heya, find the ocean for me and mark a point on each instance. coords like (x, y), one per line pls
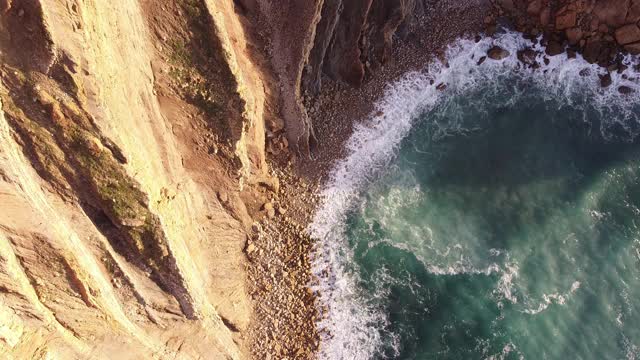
(486, 210)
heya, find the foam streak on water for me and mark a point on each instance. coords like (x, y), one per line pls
(354, 327)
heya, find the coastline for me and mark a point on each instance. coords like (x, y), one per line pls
(339, 107)
(281, 250)
(196, 221)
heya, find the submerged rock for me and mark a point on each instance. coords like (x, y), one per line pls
(605, 80)
(527, 56)
(624, 90)
(497, 53)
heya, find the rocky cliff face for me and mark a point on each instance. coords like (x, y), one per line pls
(308, 39)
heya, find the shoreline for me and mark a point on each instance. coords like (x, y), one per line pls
(282, 235)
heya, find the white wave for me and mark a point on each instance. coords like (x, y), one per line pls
(506, 350)
(504, 288)
(354, 326)
(555, 298)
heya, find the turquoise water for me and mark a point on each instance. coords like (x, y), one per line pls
(497, 219)
(505, 229)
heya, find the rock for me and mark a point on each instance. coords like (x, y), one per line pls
(592, 51)
(633, 15)
(554, 48)
(574, 35)
(250, 248)
(94, 146)
(481, 60)
(223, 197)
(507, 5)
(625, 90)
(441, 86)
(133, 222)
(271, 212)
(534, 7)
(527, 56)
(611, 12)
(633, 49)
(566, 19)
(545, 16)
(497, 53)
(627, 34)
(605, 80)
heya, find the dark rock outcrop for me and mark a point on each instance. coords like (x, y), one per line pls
(354, 37)
(497, 53)
(599, 29)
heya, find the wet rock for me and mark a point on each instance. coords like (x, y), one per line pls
(554, 48)
(633, 49)
(497, 53)
(574, 35)
(605, 80)
(625, 90)
(481, 60)
(527, 56)
(592, 51)
(627, 34)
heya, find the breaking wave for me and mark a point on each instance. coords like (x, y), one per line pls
(354, 327)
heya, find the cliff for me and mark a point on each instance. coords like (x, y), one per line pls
(129, 131)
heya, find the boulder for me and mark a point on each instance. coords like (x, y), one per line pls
(605, 80)
(627, 34)
(534, 7)
(527, 56)
(566, 19)
(612, 12)
(633, 16)
(592, 51)
(554, 48)
(507, 5)
(497, 53)
(624, 90)
(633, 49)
(574, 35)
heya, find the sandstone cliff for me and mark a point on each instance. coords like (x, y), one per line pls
(121, 170)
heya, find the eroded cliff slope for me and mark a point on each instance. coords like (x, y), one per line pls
(121, 169)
